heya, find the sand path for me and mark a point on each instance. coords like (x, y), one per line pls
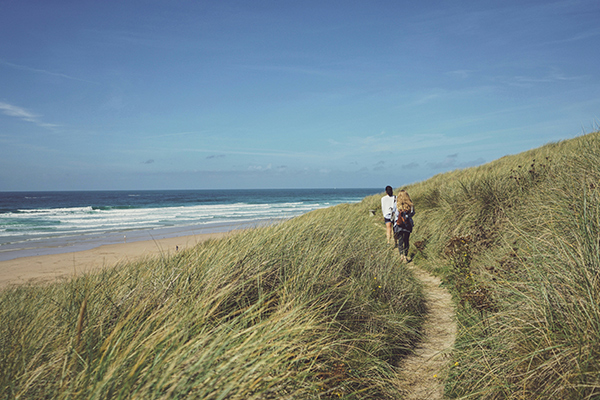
(422, 373)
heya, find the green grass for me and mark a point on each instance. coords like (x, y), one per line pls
(517, 242)
(316, 307)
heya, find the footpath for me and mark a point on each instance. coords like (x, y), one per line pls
(422, 373)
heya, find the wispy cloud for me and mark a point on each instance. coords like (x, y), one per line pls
(402, 143)
(550, 77)
(451, 161)
(380, 166)
(411, 165)
(43, 71)
(217, 153)
(426, 98)
(589, 34)
(302, 70)
(440, 94)
(14, 111)
(460, 73)
(260, 167)
(254, 152)
(23, 114)
(176, 134)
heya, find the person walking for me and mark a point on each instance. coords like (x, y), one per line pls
(404, 223)
(388, 208)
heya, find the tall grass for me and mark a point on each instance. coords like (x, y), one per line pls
(518, 242)
(316, 307)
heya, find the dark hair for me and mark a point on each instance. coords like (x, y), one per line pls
(389, 190)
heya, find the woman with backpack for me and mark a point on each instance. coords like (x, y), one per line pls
(388, 208)
(404, 223)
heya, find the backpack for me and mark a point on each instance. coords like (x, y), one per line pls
(404, 222)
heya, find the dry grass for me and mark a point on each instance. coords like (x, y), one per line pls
(518, 242)
(316, 307)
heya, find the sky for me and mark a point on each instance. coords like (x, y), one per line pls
(131, 94)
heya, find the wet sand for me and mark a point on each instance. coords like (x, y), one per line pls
(46, 268)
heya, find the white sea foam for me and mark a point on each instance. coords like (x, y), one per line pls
(81, 220)
(105, 217)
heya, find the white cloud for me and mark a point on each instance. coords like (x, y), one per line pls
(552, 75)
(23, 114)
(460, 73)
(42, 71)
(260, 167)
(426, 98)
(14, 111)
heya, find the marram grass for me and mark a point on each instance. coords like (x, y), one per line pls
(316, 307)
(518, 242)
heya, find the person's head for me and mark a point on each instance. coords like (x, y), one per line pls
(389, 190)
(403, 200)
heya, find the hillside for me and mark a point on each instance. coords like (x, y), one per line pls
(517, 242)
(316, 307)
(319, 307)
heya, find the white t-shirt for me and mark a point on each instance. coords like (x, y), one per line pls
(388, 206)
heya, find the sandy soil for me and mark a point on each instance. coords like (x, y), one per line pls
(41, 269)
(423, 372)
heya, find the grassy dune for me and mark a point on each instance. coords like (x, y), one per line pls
(517, 242)
(316, 307)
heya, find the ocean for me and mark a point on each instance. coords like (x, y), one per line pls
(39, 223)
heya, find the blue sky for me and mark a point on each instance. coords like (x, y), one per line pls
(98, 95)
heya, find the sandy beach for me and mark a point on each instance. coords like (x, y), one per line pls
(46, 268)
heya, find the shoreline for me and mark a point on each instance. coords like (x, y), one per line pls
(40, 269)
(73, 243)
(63, 261)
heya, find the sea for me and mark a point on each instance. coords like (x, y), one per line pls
(41, 223)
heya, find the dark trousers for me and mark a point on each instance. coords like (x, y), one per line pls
(403, 242)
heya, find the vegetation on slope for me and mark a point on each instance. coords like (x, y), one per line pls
(517, 242)
(316, 307)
